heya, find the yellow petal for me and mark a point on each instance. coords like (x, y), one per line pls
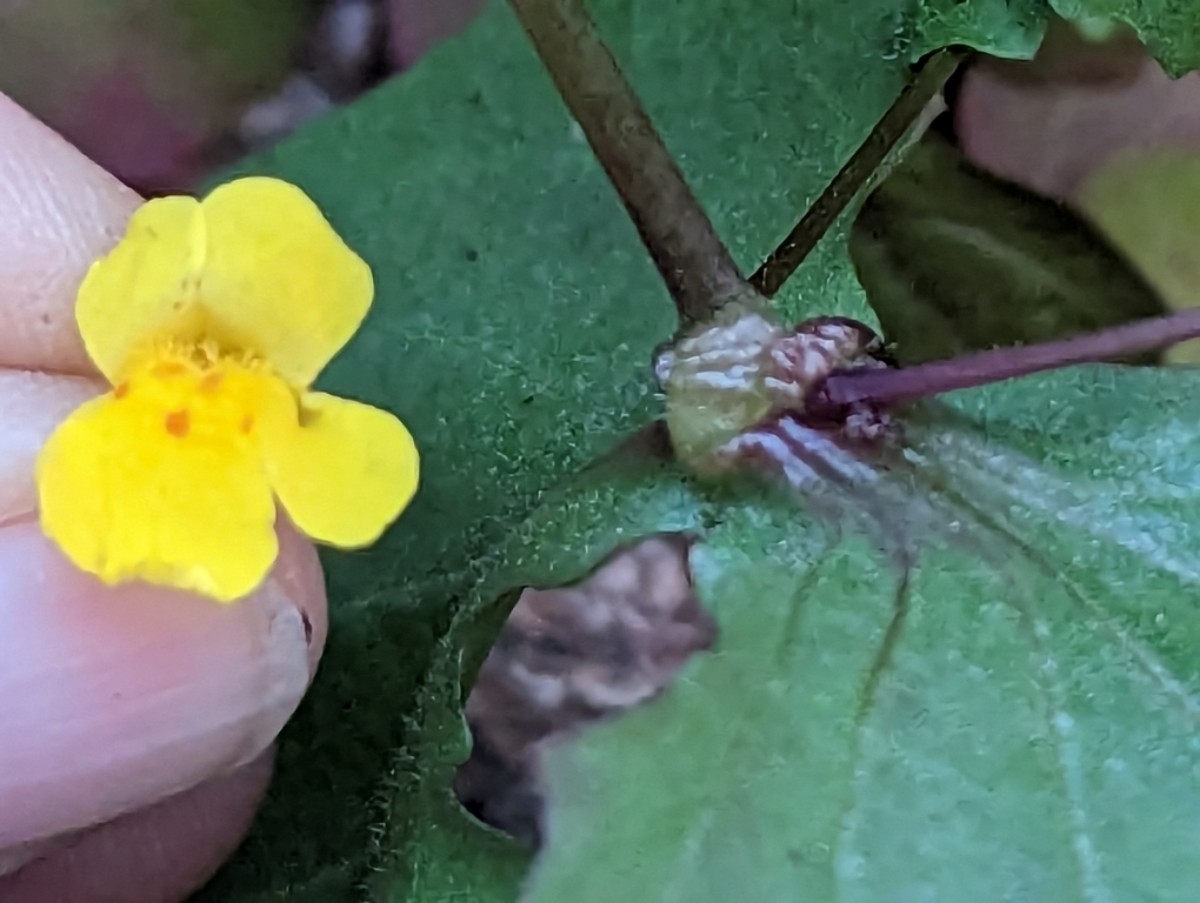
(254, 267)
(344, 472)
(278, 280)
(126, 500)
(145, 289)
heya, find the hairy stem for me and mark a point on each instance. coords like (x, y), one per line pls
(859, 169)
(893, 387)
(695, 264)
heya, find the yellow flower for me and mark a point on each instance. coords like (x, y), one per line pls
(211, 320)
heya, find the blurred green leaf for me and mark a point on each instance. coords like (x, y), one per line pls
(142, 87)
(1014, 28)
(513, 330)
(240, 42)
(954, 259)
(1148, 204)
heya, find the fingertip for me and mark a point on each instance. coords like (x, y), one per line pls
(114, 698)
(61, 212)
(164, 852)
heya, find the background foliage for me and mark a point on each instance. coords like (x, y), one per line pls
(1027, 735)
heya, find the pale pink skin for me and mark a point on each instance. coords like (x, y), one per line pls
(136, 724)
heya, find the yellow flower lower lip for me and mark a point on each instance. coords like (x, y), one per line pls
(211, 318)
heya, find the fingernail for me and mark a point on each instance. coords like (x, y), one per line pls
(302, 580)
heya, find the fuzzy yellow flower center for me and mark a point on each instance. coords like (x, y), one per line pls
(200, 393)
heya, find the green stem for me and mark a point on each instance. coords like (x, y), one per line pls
(859, 169)
(695, 264)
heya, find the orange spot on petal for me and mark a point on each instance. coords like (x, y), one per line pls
(247, 423)
(121, 391)
(211, 382)
(177, 423)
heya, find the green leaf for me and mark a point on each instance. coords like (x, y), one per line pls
(1006, 28)
(1014, 28)
(1025, 731)
(429, 849)
(1168, 27)
(516, 317)
(513, 330)
(954, 259)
